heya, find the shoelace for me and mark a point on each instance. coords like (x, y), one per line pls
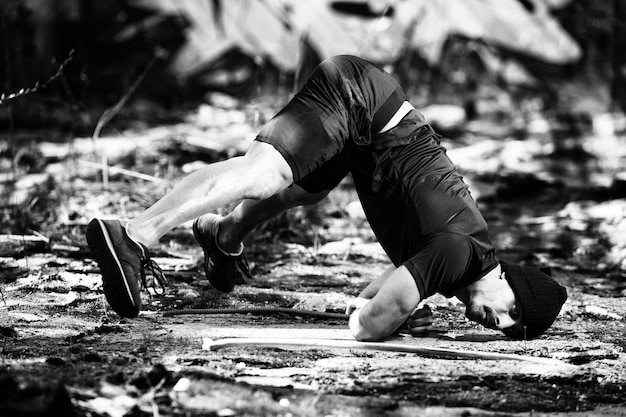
(158, 280)
(244, 266)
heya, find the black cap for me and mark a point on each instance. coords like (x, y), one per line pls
(539, 296)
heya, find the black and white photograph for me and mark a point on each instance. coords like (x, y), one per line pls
(301, 208)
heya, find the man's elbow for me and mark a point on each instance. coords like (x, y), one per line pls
(370, 325)
(363, 335)
(368, 336)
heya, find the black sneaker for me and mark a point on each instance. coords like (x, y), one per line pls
(122, 262)
(222, 270)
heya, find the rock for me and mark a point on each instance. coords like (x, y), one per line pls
(322, 302)
(222, 100)
(26, 317)
(35, 399)
(182, 385)
(345, 248)
(602, 313)
(7, 332)
(608, 124)
(212, 117)
(606, 218)
(187, 294)
(190, 167)
(354, 209)
(16, 245)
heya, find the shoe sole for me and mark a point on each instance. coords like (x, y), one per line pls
(111, 266)
(205, 249)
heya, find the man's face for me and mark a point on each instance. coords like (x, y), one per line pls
(492, 303)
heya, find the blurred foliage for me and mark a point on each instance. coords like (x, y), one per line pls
(34, 39)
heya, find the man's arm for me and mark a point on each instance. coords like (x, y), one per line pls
(369, 292)
(372, 289)
(392, 304)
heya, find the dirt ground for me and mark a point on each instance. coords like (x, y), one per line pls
(64, 351)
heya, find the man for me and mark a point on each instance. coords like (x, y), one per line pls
(350, 116)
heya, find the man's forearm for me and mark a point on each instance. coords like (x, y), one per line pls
(395, 299)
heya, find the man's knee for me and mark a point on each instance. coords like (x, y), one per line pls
(452, 252)
(267, 172)
(442, 255)
(264, 184)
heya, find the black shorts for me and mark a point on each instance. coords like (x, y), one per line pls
(447, 261)
(421, 210)
(415, 201)
(342, 103)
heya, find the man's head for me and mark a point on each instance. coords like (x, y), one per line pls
(539, 296)
(520, 301)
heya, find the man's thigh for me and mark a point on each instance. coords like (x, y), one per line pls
(443, 262)
(328, 175)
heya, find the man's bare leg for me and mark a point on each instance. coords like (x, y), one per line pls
(121, 250)
(259, 174)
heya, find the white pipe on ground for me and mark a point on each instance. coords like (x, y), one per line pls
(213, 345)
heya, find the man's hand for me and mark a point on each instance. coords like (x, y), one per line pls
(420, 321)
(355, 304)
